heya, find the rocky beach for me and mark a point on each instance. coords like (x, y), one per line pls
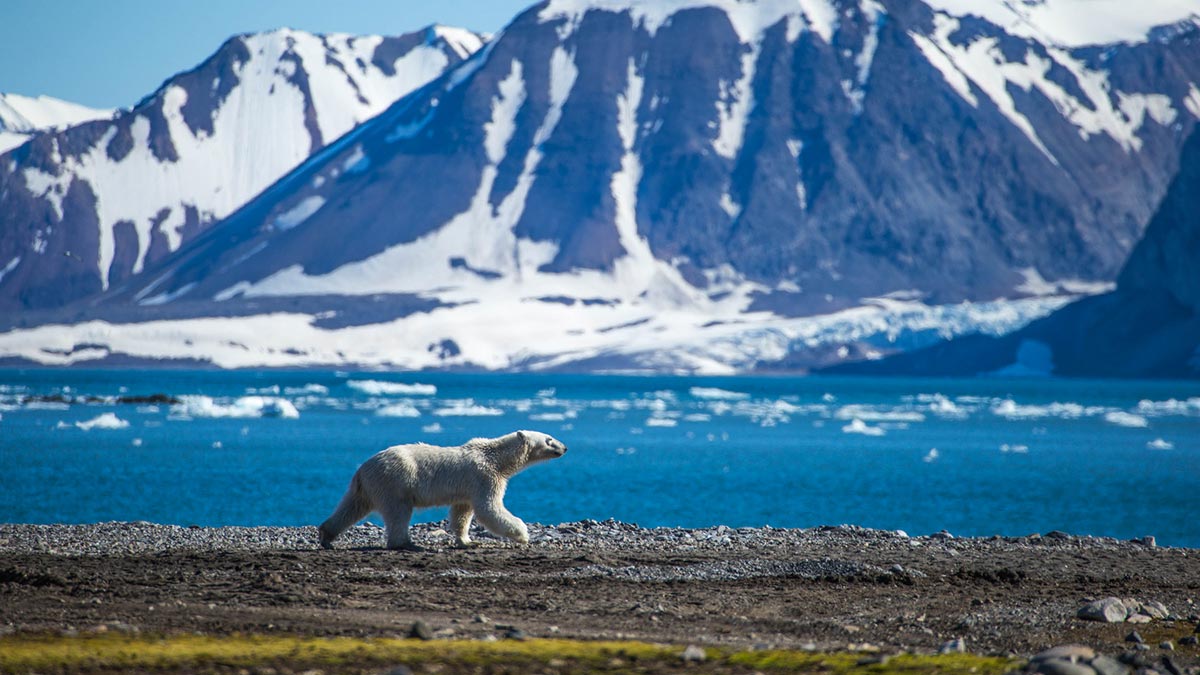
(1100, 606)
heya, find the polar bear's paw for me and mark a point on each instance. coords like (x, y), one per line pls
(409, 546)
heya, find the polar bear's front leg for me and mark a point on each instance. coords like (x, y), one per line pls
(460, 524)
(497, 519)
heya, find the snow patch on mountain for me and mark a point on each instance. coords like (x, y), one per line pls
(22, 116)
(1075, 23)
(981, 62)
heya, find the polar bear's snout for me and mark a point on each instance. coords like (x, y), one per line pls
(546, 446)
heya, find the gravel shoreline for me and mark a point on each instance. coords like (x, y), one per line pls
(829, 588)
(141, 537)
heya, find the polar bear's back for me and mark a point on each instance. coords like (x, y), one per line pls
(421, 474)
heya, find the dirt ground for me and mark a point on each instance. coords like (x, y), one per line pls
(831, 590)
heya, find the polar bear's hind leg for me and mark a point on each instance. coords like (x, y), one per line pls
(396, 518)
(354, 507)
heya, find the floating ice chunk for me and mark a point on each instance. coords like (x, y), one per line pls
(714, 393)
(377, 388)
(1170, 407)
(860, 427)
(467, 408)
(931, 456)
(875, 414)
(1010, 409)
(307, 389)
(1124, 419)
(1160, 444)
(105, 421)
(661, 422)
(697, 417)
(246, 406)
(1016, 449)
(434, 428)
(944, 407)
(402, 409)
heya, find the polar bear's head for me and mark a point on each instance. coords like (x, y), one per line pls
(540, 447)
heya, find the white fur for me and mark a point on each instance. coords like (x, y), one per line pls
(470, 478)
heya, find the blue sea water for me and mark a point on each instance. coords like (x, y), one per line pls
(975, 457)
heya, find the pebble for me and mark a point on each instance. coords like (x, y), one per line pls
(1069, 652)
(955, 646)
(693, 654)
(1063, 667)
(1134, 637)
(1108, 610)
(420, 630)
(1076, 660)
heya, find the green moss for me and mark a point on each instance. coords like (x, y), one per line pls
(100, 653)
(842, 663)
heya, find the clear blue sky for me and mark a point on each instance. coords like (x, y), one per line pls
(111, 53)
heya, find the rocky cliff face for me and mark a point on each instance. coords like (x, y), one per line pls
(1167, 259)
(92, 204)
(1149, 326)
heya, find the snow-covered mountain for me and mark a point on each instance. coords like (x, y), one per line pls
(22, 116)
(86, 206)
(824, 180)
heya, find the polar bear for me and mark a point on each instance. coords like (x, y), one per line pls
(470, 478)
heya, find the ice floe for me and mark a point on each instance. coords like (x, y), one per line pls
(858, 426)
(1125, 419)
(104, 421)
(466, 408)
(246, 406)
(402, 409)
(378, 388)
(714, 393)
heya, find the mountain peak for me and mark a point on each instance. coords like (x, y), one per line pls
(22, 116)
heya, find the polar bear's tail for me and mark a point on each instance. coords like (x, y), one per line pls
(354, 507)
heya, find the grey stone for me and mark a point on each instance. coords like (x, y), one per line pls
(1108, 610)
(693, 654)
(1134, 636)
(420, 630)
(1069, 652)
(1155, 610)
(955, 646)
(1063, 667)
(1167, 645)
(1105, 665)
(1190, 640)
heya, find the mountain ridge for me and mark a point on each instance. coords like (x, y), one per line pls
(824, 181)
(111, 195)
